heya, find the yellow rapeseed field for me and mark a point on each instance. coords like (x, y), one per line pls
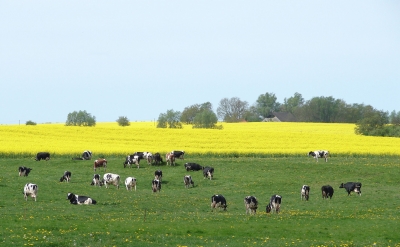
(258, 139)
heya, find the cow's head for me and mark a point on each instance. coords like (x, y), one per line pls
(341, 185)
(268, 208)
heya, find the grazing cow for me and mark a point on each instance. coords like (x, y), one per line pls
(100, 163)
(24, 171)
(130, 182)
(110, 178)
(149, 158)
(142, 155)
(218, 201)
(251, 204)
(30, 190)
(76, 199)
(305, 192)
(274, 204)
(193, 167)
(156, 185)
(66, 176)
(327, 191)
(188, 181)
(208, 172)
(96, 180)
(158, 175)
(157, 159)
(132, 159)
(170, 159)
(352, 187)
(42, 156)
(319, 154)
(178, 154)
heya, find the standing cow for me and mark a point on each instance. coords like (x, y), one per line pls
(208, 172)
(218, 201)
(178, 154)
(130, 182)
(30, 190)
(156, 185)
(352, 187)
(66, 176)
(42, 156)
(158, 159)
(274, 204)
(158, 175)
(251, 204)
(132, 159)
(170, 159)
(24, 171)
(110, 178)
(100, 163)
(96, 180)
(319, 154)
(327, 191)
(305, 192)
(149, 158)
(187, 180)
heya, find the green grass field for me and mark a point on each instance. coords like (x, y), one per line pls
(182, 217)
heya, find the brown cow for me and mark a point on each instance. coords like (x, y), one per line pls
(100, 163)
(170, 158)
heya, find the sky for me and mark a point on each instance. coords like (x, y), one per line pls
(141, 58)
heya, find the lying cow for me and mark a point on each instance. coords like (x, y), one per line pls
(96, 180)
(158, 175)
(30, 190)
(100, 163)
(218, 201)
(66, 176)
(42, 156)
(130, 182)
(158, 159)
(208, 172)
(76, 199)
(305, 192)
(187, 180)
(132, 159)
(170, 158)
(319, 154)
(24, 171)
(193, 167)
(352, 187)
(327, 191)
(274, 204)
(178, 154)
(86, 155)
(156, 185)
(110, 178)
(251, 204)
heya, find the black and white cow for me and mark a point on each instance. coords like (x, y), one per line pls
(30, 190)
(251, 204)
(132, 159)
(76, 199)
(352, 187)
(142, 155)
(66, 176)
(158, 175)
(327, 191)
(218, 201)
(149, 158)
(274, 204)
(193, 167)
(42, 156)
(130, 182)
(96, 180)
(187, 180)
(319, 154)
(305, 192)
(24, 171)
(178, 154)
(158, 159)
(100, 163)
(208, 172)
(110, 178)
(156, 185)
(87, 155)
(170, 159)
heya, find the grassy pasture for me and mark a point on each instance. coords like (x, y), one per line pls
(182, 217)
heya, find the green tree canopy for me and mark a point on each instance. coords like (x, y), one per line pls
(205, 119)
(266, 104)
(170, 119)
(81, 118)
(190, 112)
(123, 121)
(232, 110)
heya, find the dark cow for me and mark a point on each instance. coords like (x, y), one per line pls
(178, 154)
(352, 187)
(76, 199)
(305, 192)
(156, 185)
(208, 172)
(170, 159)
(42, 156)
(218, 201)
(193, 167)
(187, 180)
(158, 175)
(132, 159)
(319, 154)
(66, 176)
(30, 190)
(100, 163)
(327, 191)
(274, 204)
(24, 171)
(96, 180)
(157, 159)
(251, 204)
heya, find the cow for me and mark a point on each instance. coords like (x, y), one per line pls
(188, 181)
(274, 204)
(193, 167)
(157, 159)
(218, 201)
(178, 154)
(319, 154)
(142, 155)
(66, 176)
(170, 159)
(158, 175)
(110, 178)
(42, 156)
(100, 163)
(96, 180)
(149, 158)
(86, 155)
(352, 187)
(30, 190)
(76, 199)
(132, 159)
(251, 204)
(24, 171)
(208, 172)
(305, 192)
(156, 185)
(327, 191)
(130, 182)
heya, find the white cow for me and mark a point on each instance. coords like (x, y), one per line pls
(319, 154)
(130, 182)
(188, 181)
(96, 180)
(274, 204)
(305, 192)
(110, 178)
(30, 190)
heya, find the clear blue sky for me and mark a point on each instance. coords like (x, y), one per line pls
(140, 58)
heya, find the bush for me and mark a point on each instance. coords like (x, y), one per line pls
(29, 122)
(123, 121)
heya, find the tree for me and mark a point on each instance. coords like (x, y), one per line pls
(205, 119)
(266, 104)
(395, 118)
(170, 119)
(232, 110)
(123, 121)
(293, 102)
(190, 112)
(372, 122)
(29, 122)
(81, 118)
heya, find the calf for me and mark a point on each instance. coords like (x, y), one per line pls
(274, 204)
(305, 192)
(158, 175)
(30, 190)
(42, 156)
(251, 204)
(66, 176)
(76, 199)
(24, 171)
(352, 187)
(218, 201)
(132, 159)
(110, 178)
(319, 154)
(178, 154)
(327, 191)
(193, 167)
(170, 159)
(130, 182)
(208, 172)
(188, 181)
(100, 163)
(156, 185)
(157, 159)
(96, 180)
